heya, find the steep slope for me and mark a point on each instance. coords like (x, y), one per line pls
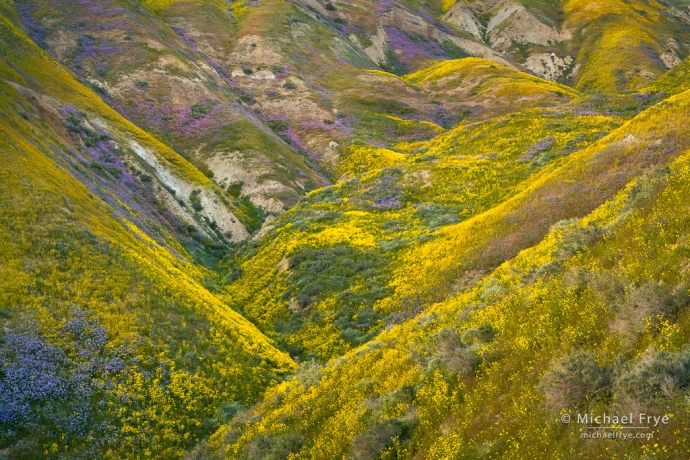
(619, 33)
(399, 202)
(305, 75)
(112, 345)
(326, 277)
(672, 82)
(154, 75)
(358, 256)
(604, 46)
(487, 372)
(483, 89)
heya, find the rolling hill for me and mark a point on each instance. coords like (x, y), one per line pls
(325, 229)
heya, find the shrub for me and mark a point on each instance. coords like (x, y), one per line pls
(246, 96)
(374, 440)
(309, 373)
(273, 447)
(574, 381)
(106, 170)
(541, 145)
(198, 111)
(289, 85)
(456, 355)
(235, 189)
(203, 167)
(658, 374)
(653, 299)
(141, 84)
(278, 126)
(226, 412)
(484, 333)
(195, 200)
(577, 238)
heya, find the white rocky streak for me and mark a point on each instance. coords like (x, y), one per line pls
(213, 208)
(514, 24)
(670, 59)
(548, 65)
(379, 45)
(462, 16)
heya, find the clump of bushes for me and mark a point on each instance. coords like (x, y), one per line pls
(577, 380)
(658, 374)
(278, 126)
(198, 111)
(373, 441)
(273, 447)
(245, 96)
(436, 216)
(289, 85)
(195, 200)
(574, 381)
(317, 273)
(382, 430)
(541, 145)
(106, 170)
(459, 356)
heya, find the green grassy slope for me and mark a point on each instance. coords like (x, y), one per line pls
(672, 82)
(484, 89)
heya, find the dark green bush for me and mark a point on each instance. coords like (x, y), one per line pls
(371, 443)
(198, 111)
(195, 200)
(278, 126)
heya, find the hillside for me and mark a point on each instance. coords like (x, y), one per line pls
(109, 331)
(328, 229)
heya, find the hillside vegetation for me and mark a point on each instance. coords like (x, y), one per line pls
(328, 229)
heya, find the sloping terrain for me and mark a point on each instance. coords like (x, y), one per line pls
(342, 229)
(464, 380)
(109, 332)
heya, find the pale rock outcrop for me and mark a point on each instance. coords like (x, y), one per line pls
(213, 209)
(253, 171)
(462, 16)
(408, 22)
(548, 65)
(514, 24)
(379, 46)
(670, 59)
(263, 75)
